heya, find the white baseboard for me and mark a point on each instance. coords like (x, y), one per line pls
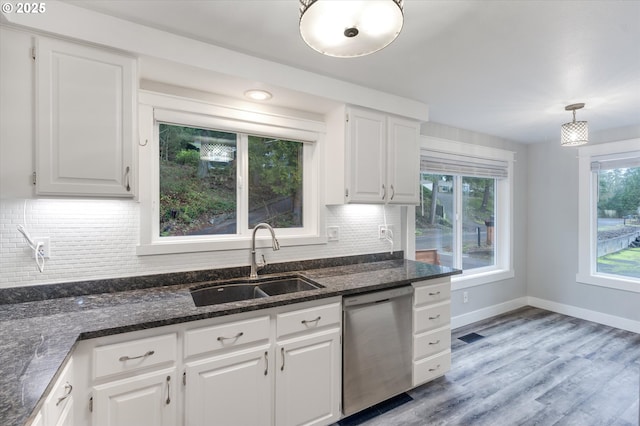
(586, 314)
(488, 312)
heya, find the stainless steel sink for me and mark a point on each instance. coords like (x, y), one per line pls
(245, 289)
(287, 285)
(225, 293)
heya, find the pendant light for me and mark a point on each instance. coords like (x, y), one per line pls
(350, 28)
(575, 132)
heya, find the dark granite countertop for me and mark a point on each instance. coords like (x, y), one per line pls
(37, 336)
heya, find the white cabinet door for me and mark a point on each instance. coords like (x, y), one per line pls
(403, 161)
(365, 162)
(85, 120)
(234, 389)
(308, 385)
(142, 400)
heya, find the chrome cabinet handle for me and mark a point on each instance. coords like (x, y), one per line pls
(305, 322)
(282, 354)
(129, 358)
(384, 192)
(434, 369)
(435, 343)
(237, 336)
(266, 362)
(434, 294)
(68, 388)
(436, 317)
(126, 176)
(393, 192)
(168, 401)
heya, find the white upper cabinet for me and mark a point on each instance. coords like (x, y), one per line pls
(85, 106)
(371, 158)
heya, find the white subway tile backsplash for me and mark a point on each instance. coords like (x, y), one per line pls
(96, 239)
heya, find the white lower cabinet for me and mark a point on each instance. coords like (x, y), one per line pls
(431, 329)
(58, 406)
(142, 400)
(282, 369)
(308, 379)
(232, 389)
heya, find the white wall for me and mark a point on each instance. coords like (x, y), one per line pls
(489, 299)
(553, 235)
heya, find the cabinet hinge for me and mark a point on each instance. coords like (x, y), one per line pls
(33, 178)
(91, 404)
(184, 378)
(33, 53)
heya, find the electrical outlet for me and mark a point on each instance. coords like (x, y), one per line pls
(382, 231)
(333, 233)
(465, 297)
(45, 246)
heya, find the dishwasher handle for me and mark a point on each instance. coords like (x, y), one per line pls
(377, 296)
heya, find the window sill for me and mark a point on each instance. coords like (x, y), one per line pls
(236, 243)
(459, 282)
(609, 282)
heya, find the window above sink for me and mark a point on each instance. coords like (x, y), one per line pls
(232, 166)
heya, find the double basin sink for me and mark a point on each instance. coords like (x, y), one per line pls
(246, 289)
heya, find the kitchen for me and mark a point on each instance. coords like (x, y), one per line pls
(103, 241)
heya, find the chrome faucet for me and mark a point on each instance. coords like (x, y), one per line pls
(274, 243)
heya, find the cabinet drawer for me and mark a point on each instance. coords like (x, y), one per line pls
(208, 339)
(432, 342)
(134, 355)
(432, 294)
(429, 368)
(60, 396)
(431, 317)
(308, 319)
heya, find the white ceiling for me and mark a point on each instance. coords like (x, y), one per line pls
(504, 68)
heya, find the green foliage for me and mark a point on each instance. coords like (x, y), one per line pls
(624, 262)
(188, 157)
(620, 191)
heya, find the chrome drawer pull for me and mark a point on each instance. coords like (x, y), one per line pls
(129, 358)
(237, 336)
(266, 363)
(168, 401)
(434, 369)
(434, 294)
(434, 318)
(305, 322)
(68, 389)
(435, 343)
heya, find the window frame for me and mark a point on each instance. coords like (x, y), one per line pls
(155, 108)
(503, 267)
(588, 216)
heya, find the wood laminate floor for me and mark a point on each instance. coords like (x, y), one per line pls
(531, 367)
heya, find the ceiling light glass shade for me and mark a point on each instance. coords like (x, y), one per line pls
(575, 132)
(350, 28)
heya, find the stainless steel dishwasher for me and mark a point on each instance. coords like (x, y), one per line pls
(377, 348)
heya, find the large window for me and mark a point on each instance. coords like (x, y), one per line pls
(610, 215)
(199, 191)
(464, 217)
(445, 197)
(212, 174)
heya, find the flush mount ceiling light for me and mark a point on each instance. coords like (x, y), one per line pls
(258, 95)
(575, 132)
(350, 28)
